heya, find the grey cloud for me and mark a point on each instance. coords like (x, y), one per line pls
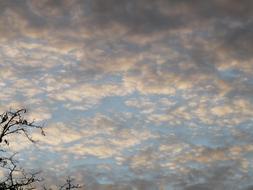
(239, 41)
(146, 17)
(231, 22)
(230, 9)
(137, 16)
(220, 177)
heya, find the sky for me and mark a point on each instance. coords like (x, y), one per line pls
(134, 94)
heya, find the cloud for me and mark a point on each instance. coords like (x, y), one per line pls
(148, 87)
(98, 138)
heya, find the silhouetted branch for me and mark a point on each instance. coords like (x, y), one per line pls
(13, 122)
(69, 185)
(17, 178)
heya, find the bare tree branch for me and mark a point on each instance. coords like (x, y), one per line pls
(14, 122)
(11, 123)
(69, 185)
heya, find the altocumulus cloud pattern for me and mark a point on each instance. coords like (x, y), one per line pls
(135, 94)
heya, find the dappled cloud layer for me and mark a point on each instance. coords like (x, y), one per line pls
(134, 94)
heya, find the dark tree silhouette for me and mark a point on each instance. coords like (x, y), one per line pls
(13, 122)
(16, 178)
(68, 185)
